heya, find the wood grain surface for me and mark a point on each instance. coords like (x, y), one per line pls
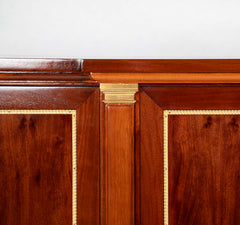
(203, 155)
(36, 169)
(40, 65)
(204, 160)
(195, 97)
(34, 156)
(117, 164)
(151, 161)
(166, 78)
(161, 65)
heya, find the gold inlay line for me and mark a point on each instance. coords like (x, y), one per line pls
(74, 148)
(166, 113)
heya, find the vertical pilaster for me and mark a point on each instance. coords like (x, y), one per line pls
(117, 153)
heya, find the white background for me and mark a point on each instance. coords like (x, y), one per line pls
(120, 29)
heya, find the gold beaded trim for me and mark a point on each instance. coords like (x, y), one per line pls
(165, 146)
(74, 149)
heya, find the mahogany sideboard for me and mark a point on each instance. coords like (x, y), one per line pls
(119, 142)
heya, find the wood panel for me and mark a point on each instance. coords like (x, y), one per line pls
(151, 161)
(36, 167)
(35, 143)
(203, 155)
(88, 164)
(117, 164)
(204, 169)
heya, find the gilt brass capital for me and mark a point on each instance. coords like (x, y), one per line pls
(119, 92)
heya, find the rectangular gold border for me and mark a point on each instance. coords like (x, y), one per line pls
(165, 146)
(74, 148)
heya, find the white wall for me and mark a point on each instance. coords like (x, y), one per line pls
(120, 29)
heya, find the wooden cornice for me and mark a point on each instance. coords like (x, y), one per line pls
(41, 65)
(41, 72)
(163, 70)
(161, 65)
(94, 71)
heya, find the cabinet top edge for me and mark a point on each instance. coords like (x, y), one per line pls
(40, 65)
(87, 66)
(161, 65)
(95, 71)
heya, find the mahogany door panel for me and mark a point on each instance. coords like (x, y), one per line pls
(189, 155)
(204, 159)
(49, 155)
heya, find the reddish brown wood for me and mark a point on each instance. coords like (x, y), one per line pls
(203, 156)
(167, 78)
(88, 160)
(131, 142)
(103, 163)
(117, 168)
(121, 65)
(40, 65)
(42, 143)
(151, 161)
(161, 65)
(137, 165)
(35, 167)
(204, 159)
(43, 79)
(76, 71)
(40, 72)
(195, 97)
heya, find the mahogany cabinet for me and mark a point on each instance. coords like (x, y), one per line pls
(119, 142)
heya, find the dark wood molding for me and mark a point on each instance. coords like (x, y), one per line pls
(161, 65)
(73, 72)
(43, 79)
(40, 65)
(42, 72)
(88, 66)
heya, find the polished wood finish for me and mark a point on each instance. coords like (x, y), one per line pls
(162, 78)
(117, 164)
(161, 65)
(42, 72)
(195, 97)
(120, 146)
(35, 170)
(204, 159)
(73, 72)
(36, 156)
(42, 80)
(88, 160)
(40, 65)
(87, 66)
(203, 176)
(151, 161)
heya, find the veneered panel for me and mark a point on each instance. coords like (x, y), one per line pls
(204, 159)
(36, 169)
(117, 157)
(85, 100)
(151, 162)
(88, 157)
